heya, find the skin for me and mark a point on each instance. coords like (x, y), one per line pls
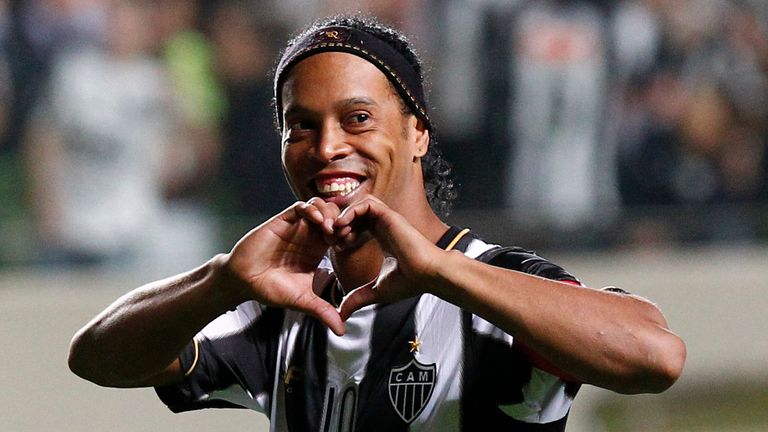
(343, 123)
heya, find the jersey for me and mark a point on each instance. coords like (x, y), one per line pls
(420, 364)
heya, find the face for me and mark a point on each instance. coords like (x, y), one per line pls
(345, 136)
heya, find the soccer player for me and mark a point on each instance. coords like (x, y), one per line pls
(358, 308)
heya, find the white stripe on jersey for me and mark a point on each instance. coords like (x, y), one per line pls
(348, 357)
(232, 321)
(480, 325)
(439, 329)
(483, 327)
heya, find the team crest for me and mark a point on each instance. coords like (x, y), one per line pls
(410, 388)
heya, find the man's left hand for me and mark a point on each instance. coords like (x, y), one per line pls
(410, 257)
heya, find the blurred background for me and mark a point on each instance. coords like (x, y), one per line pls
(625, 140)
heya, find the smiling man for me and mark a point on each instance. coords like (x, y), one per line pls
(357, 308)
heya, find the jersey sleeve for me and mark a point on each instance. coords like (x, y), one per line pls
(543, 394)
(515, 258)
(230, 363)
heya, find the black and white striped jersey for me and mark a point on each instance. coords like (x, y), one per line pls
(421, 364)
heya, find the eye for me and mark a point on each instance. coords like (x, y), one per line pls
(298, 125)
(358, 120)
(297, 130)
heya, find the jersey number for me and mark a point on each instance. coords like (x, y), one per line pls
(344, 419)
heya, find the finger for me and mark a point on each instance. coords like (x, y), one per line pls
(358, 299)
(323, 311)
(347, 240)
(318, 216)
(352, 213)
(350, 225)
(309, 212)
(373, 217)
(291, 214)
(328, 212)
(371, 214)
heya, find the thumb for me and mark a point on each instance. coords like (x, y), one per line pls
(358, 299)
(326, 313)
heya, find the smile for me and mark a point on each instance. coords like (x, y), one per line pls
(332, 187)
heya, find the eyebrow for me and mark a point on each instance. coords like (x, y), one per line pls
(345, 103)
(357, 101)
(296, 110)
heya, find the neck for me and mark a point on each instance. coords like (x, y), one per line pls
(362, 264)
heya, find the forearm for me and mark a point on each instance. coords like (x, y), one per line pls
(615, 341)
(140, 335)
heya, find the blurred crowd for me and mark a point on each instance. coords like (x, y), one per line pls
(140, 130)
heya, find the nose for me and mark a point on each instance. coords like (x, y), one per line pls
(330, 144)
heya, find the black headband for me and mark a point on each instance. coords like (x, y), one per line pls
(362, 44)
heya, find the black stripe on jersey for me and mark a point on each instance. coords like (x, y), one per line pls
(394, 325)
(329, 409)
(222, 363)
(306, 378)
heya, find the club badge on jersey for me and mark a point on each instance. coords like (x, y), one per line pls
(411, 386)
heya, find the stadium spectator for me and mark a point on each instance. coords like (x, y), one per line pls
(98, 152)
(250, 169)
(559, 174)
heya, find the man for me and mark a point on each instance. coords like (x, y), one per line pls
(427, 337)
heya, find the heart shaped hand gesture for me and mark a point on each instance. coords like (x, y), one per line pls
(410, 258)
(275, 263)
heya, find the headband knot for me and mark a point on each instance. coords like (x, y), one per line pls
(392, 63)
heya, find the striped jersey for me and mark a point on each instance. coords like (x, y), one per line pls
(420, 364)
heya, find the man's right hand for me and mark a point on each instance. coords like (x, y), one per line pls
(275, 263)
(135, 341)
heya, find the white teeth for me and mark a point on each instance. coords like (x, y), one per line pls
(344, 188)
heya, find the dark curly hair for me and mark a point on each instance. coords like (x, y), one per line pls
(438, 182)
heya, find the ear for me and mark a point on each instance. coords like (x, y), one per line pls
(420, 135)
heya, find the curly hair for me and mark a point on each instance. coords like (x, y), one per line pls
(438, 182)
